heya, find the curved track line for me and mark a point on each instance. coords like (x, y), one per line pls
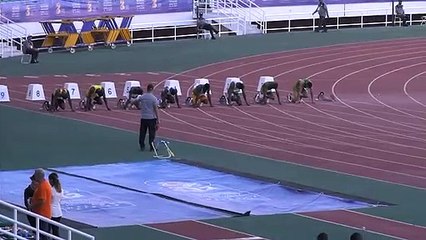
(386, 105)
(369, 114)
(320, 148)
(325, 139)
(406, 85)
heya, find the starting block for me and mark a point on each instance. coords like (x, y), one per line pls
(128, 85)
(4, 94)
(200, 81)
(109, 89)
(264, 79)
(73, 89)
(35, 92)
(228, 82)
(173, 84)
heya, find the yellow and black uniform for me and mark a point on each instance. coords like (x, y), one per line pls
(58, 99)
(266, 92)
(201, 94)
(234, 91)
(134, 92)
(300, 89)
(94, 95)
(169, 96)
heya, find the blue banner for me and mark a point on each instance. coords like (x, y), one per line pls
(39, 10)
(211, 188)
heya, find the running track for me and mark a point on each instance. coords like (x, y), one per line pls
(376, 129)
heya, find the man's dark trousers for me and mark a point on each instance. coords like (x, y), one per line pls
(147, 124)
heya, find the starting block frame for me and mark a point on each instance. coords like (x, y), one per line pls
(200, 81)
(197, 82)
(35, 92)
(228, 82)
(224, 98)
(109, 88)
(264, 79)
(171, 83)
(166, 145)
(4, 94)
(73, 89)
(128, 85)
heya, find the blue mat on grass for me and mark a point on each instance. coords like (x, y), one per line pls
(126, 193)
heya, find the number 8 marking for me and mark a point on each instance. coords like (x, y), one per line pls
(109, 91)
(38, 93)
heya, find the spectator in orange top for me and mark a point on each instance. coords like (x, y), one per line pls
(41, 201)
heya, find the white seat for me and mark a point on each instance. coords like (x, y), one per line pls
(26, 58)
(203, 34)
(398, 19)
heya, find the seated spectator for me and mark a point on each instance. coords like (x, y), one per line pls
(356, 236)
(203, 24)
(399, 10)
(28, 48)
(322, 236)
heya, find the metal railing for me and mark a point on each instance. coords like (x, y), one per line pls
(358, 19)
(15, 222)
(177, 28)
(246, 10)
(10, 34)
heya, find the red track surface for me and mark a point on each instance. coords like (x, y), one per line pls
(376, 129)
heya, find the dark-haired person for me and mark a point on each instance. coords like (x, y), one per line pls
(399, 11)
(149, 117)
(201, 94)
(234, 90)
(169, 96)
(300, 90)
(267, 92)
(94, 95)
(323, 14)
(41, 202)
(57, 195)
(58, 99)
(134, 92)
(322, 236)
(203, 24)
(28, 194)
(356, 236)
(28, 48)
